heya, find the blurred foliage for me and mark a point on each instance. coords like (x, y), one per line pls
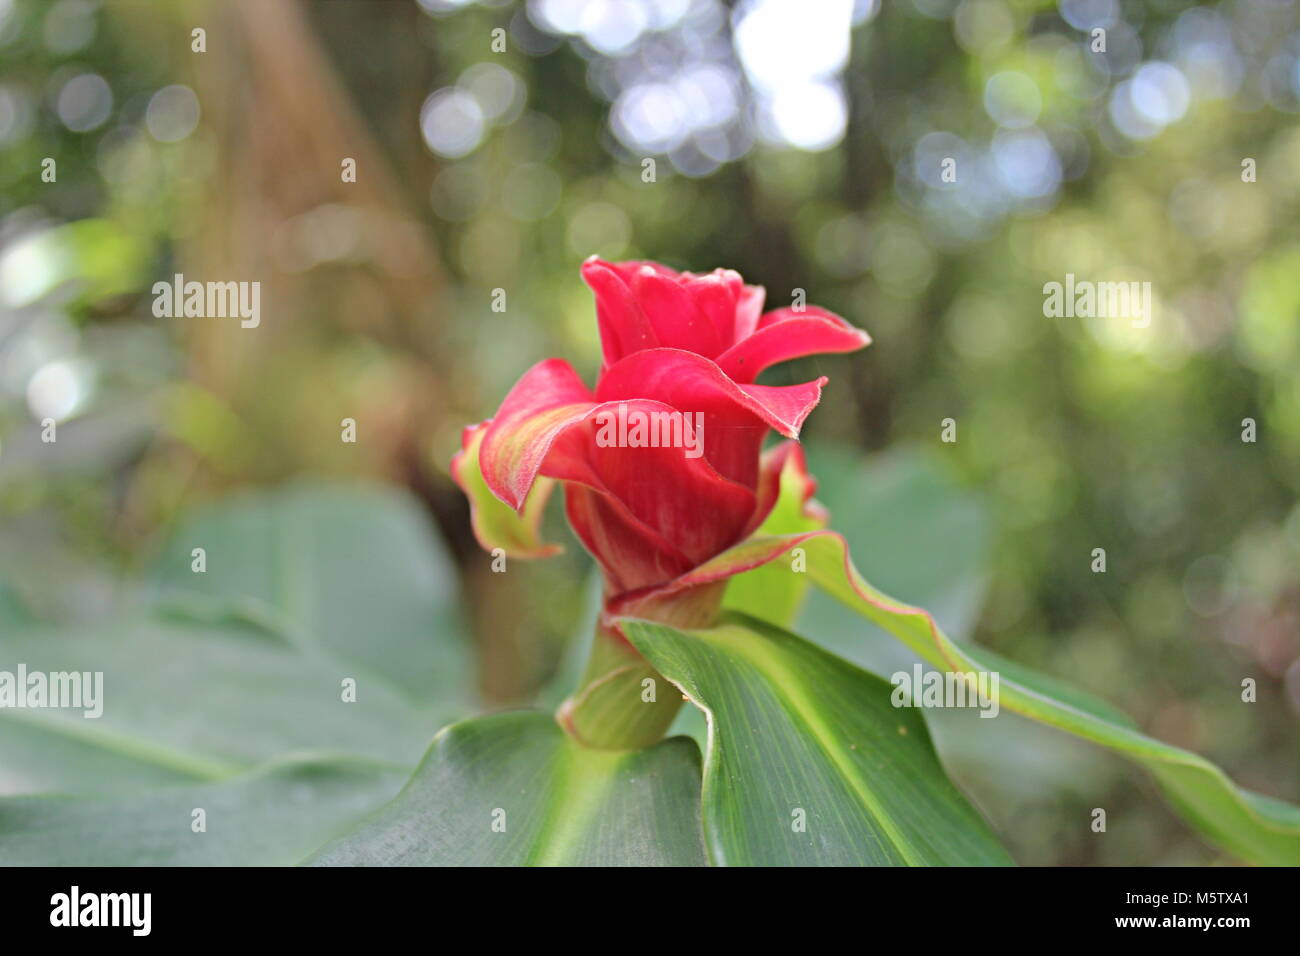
(482, 170)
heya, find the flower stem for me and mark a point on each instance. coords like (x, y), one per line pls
(622, 702)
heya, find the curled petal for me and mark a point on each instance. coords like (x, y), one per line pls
(668, 502)
(716, 295)
(548, 397)
(786, 334)
(736, 417)
(624, 326)
(643, 305)
(631, 555)
(496, 524)
(790, 518)
(678, 498)
(690, 382)
(674, 312)
(746, 556)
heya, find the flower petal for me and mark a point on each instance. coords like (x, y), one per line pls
(674, 314)
(673, 510)
(736, 417)
(624, 327)
(786, 334)
(746, 556)
(749, 310)
(716, 295)
(548, 398)
(679, 499)
(630, 554)
(496, 524)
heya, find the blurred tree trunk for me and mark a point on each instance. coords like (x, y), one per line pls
(354, 297)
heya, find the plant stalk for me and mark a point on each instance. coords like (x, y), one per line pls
(622, 702)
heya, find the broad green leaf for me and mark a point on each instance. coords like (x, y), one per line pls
(273, 817)
(354, 570)
(798, 735)
(188, 700)
(514, 789)
(35, 759)
(1252, 826)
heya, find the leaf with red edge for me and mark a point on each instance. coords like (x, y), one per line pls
(1255, 827)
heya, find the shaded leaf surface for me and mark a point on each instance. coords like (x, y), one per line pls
(273, 817)
(553, 801)
(354, 570)
(191, 701)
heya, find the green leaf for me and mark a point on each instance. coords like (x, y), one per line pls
(273, 817)
(1255, 827)
(35, 759)
(770, 593)
(560, 803)
(354, 570)
(794, 728)
(916, 533)
(184, 700)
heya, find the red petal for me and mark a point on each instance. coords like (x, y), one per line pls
(749, 310)
(496, 524)
(624, 327)
(736, 417)
(746, 556)
(677, 319)
(716, 296)
(630, 554)
(786, 334)
(691, 382)
(549, 397)
(679, 499)
(676, 510)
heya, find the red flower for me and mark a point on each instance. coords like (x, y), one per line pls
(680, 355)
